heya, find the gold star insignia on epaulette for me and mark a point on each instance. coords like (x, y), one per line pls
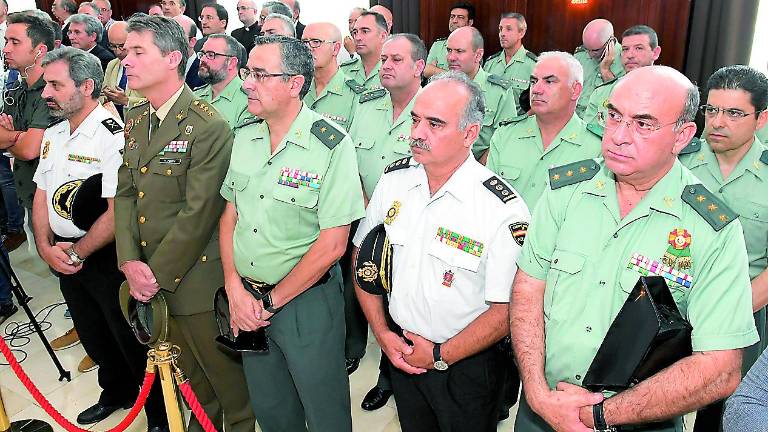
(600, 184)
(556, 177)
(712, 207)
(332, 137)
(323, 129)
(569, 173)
(180, 115)
(583, 170)
(196, 103)
(700, 198)
(723, 218)
(668, 201)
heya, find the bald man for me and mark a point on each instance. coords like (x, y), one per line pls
(246, 13)
(115, 87)
(600, 57)
(386, 13)
(191, 78)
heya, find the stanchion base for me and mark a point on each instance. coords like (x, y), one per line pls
(31, 425)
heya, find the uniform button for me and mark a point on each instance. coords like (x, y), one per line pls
(251, 263)
(142, 219)
(589, 329)
(269, 162)
(255, 230)
(143, 170)
(555, 261)
(168, 171)
(602, 282)
(141, 194)
(615, 235)
(383, 157)
(261, 196)
(578, 377)
(143, 243)
(293, 199)
(204, 258)
(177, 280)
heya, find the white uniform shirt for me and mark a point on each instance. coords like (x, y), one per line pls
(440, 286)
(95, 147)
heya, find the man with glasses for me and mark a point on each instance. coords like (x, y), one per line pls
(462, 14)
(167, 206)
(369, 33)
(598, 58)
(292, 192)
(277, 24)
(213, 20)
(730, 161)
(173, 8)
(600, 226)
(105, 13)
(219, 71)
(246, 13)
(115, 88)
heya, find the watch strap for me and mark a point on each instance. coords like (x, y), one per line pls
(269, 306)
(598, 417)
(436, 352)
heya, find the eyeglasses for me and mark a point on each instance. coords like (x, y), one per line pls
(314, 43)
(207, 17)
(117, 46)
(259, 76)
(242, 8)
(611, 120)
(210, 55)
(732, 114)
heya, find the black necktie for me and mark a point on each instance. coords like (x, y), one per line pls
(154, 124)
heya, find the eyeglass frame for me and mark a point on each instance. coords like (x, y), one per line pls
(200, 54)
(319, 42)
(726, 111)
(117, 46)
(260, 76)
(632, 124)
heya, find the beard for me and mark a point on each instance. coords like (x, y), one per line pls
(211, 76)
(68, 108)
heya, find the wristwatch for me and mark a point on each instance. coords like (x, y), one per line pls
(439, 364)
(266, 300)
(598, 417)
(73, 256)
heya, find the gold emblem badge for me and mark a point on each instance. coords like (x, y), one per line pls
(64, 196)
(368, 272)
(188, 130)
(392, 213)
(46, 148)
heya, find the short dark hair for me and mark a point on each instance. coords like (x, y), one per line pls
(168, 35)
(70, 6)
(81, 65)
(640, 29)
(418, 49)
(740, 77)
(221, 12)
(469, 7)
(295, 58)
(381, 23)
(521, 23)
(278, 8)
(38, 30)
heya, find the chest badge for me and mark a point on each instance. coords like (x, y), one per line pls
(448, 278)
(46, 148)
(392, 212)
(679, 252)
(188, 129)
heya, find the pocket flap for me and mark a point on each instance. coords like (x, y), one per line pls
(365, 143)
(296, 196)
(237, 181)
(453, 256)
(509, 172)
(569, 262)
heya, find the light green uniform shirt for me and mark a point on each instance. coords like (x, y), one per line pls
(592, 77)
(598, 101)
(499, 105)
(379, 140)
(578, 243)
(517, 154)
(336, 102)
(284, 199)
(518, 71)
(762, 134)
(354, 69)
(232, 102)
(438, 53)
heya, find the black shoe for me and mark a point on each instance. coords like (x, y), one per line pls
(98, 412)
(6, 311)
(352, 365)
(375, 399)
(163, 428)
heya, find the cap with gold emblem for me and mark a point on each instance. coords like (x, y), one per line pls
(149, 321)
(80, 201)
(373, 264)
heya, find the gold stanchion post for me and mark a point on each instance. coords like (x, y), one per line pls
(163, 357)
(5, 422)
(20, 425)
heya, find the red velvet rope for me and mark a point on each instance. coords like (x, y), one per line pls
(194, 405)
(55, 415)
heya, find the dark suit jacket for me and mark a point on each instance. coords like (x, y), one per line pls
(103, 54)
(64, 38)
(299, 29)
(246, 36)
(192, 79)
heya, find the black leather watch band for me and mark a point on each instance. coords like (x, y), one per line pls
(598, 417)
(436, 352)
(266, 300)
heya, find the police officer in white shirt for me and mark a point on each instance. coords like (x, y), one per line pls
(73, 221)
(456, 231)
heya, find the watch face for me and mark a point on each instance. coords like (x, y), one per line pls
(441, 365)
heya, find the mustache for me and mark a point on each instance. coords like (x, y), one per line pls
(52, 101)
(420, 143)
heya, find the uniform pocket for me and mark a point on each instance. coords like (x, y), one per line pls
(169, 181)
(365, 143)
(564, 270)
(454, 257)
(509, 172)
(296, 196)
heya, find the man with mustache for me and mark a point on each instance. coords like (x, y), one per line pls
(732, 163)
(599, 227)
(523, 149)
(462, 14)
(369, 33)
(219, 71)
(455, 230)
(639, 48)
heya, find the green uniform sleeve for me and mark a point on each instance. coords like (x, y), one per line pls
(542, 234)
(126, 218)
(341, 196)
(433, 56)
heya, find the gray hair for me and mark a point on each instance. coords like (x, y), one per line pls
(70, 6)
(575, 70)
(168, 35)
(477, 39)
(106, 2)
(91, 5)
(475, 108)
(234, 48)
(276, 7)
(521, 23)
(295, 58)
(418, 49)
(82, 66)
(92, 25)
(288, 25)
(690, 107)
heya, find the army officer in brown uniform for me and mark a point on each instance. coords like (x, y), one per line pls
(167, 206)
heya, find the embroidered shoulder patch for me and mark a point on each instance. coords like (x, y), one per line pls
(372, 95)
(355, 86)
(495, 185)
(764, 157)
(398, 164)
(327, 134)
(532, 56)
(693, 146)
(596, 129)
(112, 126)
(572, 173)
(711, 208)
(499, 81)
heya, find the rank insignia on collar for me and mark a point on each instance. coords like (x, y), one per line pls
(448, 278)
(128, 126)
(131, 143)
(46, 148)
(188, 129)
(392, 213)
(679, 251)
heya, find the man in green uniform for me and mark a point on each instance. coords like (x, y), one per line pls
(465, 52)
(598, 228)
(522, 151)
(598, 58)
(762, 134)
(369, 33)
(219, 69)
(639, 47)
(462, 15)
(166, 208)
(382, 134)
(733, 164)
(292, 191)
(331, 93)
(513, 62)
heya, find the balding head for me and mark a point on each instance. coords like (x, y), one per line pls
(329, 37)
(386, 13)
(117, 33)
(323, 31)
(465, 50)
(596, 34)
(189, 27)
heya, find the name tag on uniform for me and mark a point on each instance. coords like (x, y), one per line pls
(170, 161)
(295, 178)
(460, 242)
(176, 147)
(82, 159)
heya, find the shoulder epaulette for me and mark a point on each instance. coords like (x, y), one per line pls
(350, 61)
(516, 119)
(112, 126)
(499, 81)
(56, 121)
(200, 87)
(499, 189)
(532, 56)
(609, 82)
(326, 133)
(712, 209)
(693, 146)
(355, 86)
(572, 173)
(203, 107)
(139, 102)
(596, 129)
(398, 164)
(248, 122)
(372, 95)
(493, 56)
(764, 157)
(579, 49)
(441, 39)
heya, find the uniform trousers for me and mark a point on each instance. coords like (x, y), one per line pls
(301, 383)
(466, 397)
(215, 374)
(92, 297)
(355, 323)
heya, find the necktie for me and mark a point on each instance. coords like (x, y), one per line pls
(123, 80)
(154, 123)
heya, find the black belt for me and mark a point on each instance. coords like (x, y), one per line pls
(259, 289)
(646, 426)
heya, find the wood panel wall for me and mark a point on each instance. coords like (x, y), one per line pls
(557, 24)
